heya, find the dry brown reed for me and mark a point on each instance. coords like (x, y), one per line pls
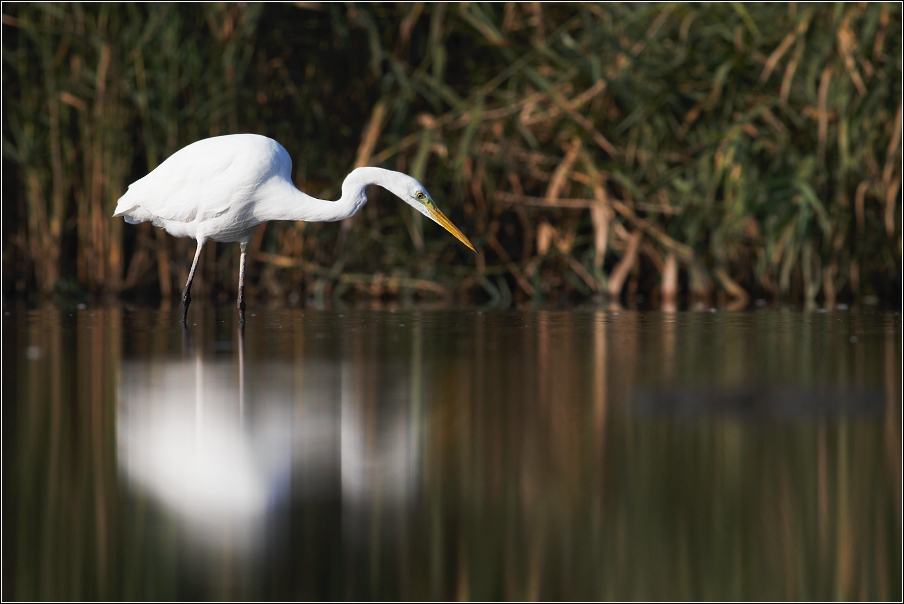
(714, 153)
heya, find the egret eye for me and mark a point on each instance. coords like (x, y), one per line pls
(420, 196)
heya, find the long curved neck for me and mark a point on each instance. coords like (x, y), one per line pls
(285, 202)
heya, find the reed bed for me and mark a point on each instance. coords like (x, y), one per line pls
(675, 153)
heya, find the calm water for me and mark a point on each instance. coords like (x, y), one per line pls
(421, 454)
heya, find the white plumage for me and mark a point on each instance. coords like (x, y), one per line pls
(221, 188)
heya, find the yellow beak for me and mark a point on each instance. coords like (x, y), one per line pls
(447, 224)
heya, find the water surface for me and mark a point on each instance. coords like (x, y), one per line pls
(437, 454)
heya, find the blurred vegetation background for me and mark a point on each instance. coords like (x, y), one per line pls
(711, 154)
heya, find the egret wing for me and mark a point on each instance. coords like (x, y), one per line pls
(201, 181)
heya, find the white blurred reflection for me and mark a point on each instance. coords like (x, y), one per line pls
(379, 457)
(187, 437)
(224, 444)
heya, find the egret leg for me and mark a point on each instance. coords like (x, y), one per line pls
(186, 294)
(240, 303)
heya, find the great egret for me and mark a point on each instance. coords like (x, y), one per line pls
(221, 188)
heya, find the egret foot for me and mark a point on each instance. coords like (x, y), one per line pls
(186, 300)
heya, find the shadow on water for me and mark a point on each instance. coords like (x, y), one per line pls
(451, 455)
(753, 401)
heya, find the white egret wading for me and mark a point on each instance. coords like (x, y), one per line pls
(221, 188)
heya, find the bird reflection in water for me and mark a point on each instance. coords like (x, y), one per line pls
(185, 437)
(219, 446)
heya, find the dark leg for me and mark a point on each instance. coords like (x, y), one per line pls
(241, 300)
(186, 295)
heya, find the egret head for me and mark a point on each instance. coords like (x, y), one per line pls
(415, 194)
(426, 206)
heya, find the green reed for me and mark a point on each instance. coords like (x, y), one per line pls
(588, 150)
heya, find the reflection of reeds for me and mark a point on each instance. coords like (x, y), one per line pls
(559, 499)
(526, 472)
(588, 150)
(67, 521)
